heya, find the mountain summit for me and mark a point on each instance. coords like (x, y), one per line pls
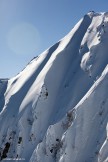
(56, 109)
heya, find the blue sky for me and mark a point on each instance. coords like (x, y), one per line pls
(28, 27)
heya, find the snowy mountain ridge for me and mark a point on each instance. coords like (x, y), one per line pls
(56, 109)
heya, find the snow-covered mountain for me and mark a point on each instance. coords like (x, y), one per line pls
(56, 109)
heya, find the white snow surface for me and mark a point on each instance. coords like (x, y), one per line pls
(56, 109)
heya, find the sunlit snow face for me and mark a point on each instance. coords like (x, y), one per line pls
(23, 39)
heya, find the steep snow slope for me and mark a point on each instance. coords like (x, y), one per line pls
(56, 109)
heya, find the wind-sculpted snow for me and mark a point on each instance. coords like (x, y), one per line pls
(55, 109)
